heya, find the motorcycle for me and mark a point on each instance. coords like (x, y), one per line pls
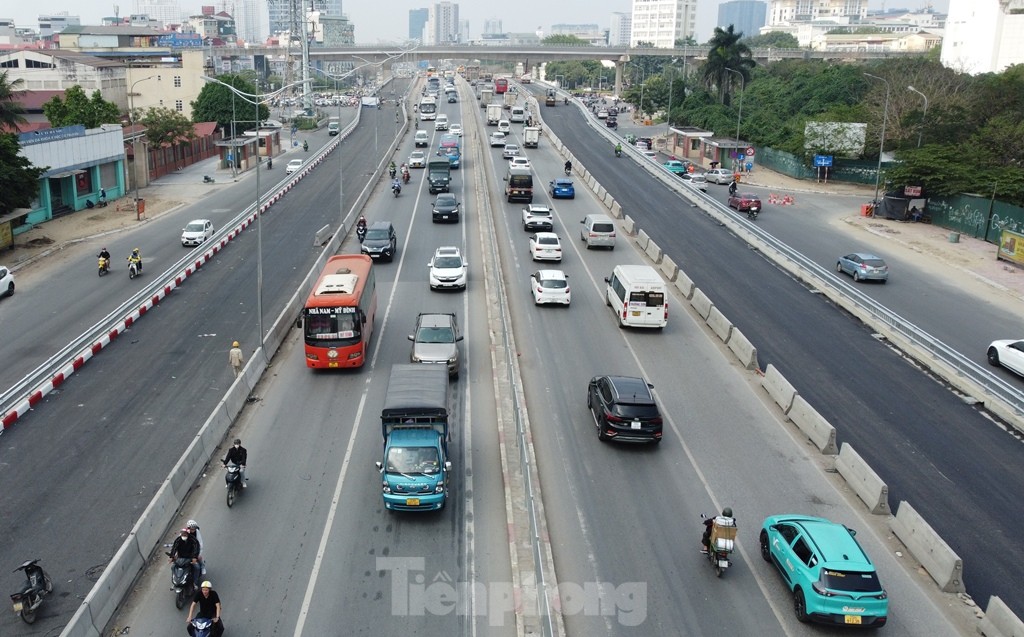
(233, 482)
(406, 177)
(208, 179)
(305, 146)
(104, 265)
(30, 598)
(752, 212)
(200, 627)
(134, 269)
(397, 189)
(360, 233)
(183, 581)
(618, 152)
(722, 542)
(391, 172)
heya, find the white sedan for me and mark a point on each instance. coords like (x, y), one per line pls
(293, 166)
(545, 246)
(498, 139)
(417, 159)
(519, 162)
(1009, 354)
(550, 286)
(455, 129)
(196, 232)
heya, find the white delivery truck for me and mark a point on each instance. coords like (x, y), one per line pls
(531, 137)
(493, 114)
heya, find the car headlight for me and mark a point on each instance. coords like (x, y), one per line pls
(416, 358)
(440, 487)
(386, 487)
(453, 359)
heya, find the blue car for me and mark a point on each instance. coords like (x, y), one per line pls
(832, 579)
(562, 189)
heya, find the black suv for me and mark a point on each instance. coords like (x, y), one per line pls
(380, 241)
(624, 409)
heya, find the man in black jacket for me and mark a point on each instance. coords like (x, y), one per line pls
(185, 546)
(237, 455)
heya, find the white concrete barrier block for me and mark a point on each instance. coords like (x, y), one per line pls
(592, 183)
(863, 480)
(813, 425)
(113, 584)
(778, 388)
(742, 348)
(609, 201)
(653, 251)
(628, 225)
(719, 324)
(701, 303)
(941, 562)
(151, 527)
(685, 285)
(616, 210)
(669, 268)
(1000, 621)
(642, 239)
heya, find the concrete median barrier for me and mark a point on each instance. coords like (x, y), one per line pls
(669, 268)
(106, 594)
(701, 303)
(1000, 621)
(653, 251)
(813, 425)
(780, 390)
(628, 225)
(863, 480)
(615, 209)
(642, 239)
(719, 324)
(600, 191)
(685, 285)
(743, 349)
(151, 528)
(941, 562)
(81, 624)
(321, 236)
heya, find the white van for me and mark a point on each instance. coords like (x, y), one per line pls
(638, 296)
(598, 230)
(518, 114)
(441, 123)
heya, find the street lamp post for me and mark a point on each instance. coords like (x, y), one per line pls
(668, 113)
(924, 114)
(135, 141)
(881, 144)
(739, 116)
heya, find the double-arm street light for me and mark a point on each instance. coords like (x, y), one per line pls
(881, 144)
(923, 114)
(739, 116)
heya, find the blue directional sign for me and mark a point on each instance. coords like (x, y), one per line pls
(823, 161)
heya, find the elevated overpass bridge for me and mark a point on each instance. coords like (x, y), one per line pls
(534, 55)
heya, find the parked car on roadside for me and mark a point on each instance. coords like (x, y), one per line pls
(719, 176)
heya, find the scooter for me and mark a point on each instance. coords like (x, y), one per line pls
(233, 482)
(30, 598)
(208, 179)
(134, 269)
(752, 212)
(618, 152)
(406, 177)
(360, 233)
(200, 627)
(104, 265)
(305, 146)
(397, 189)
(721, 544)
(183, 582)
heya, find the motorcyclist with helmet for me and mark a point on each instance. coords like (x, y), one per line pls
(568, 167)
(361, 228)
(709, 523)
(186, 547)
(238, 455)
(618, 149)
(105, 254)
(396, 186)
(392, 169)
(136, 258)
(193, 530)
(305, 145)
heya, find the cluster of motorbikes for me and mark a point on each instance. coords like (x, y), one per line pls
(396, 185)
(134, 264)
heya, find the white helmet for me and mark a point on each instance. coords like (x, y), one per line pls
(192, 524)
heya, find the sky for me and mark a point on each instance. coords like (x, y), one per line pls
(373, 25)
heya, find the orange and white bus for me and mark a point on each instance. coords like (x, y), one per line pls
(337, 320)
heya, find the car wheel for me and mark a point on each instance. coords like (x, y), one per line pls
(10, 289)
(600, 431)
(993, 355)
(839, 267)
(766, 551)
(856, 277)
(800, 606)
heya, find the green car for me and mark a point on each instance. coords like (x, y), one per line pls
(676, 167)
(832, 579)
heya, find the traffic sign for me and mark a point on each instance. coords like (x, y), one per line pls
(750, 151)
(823, 161)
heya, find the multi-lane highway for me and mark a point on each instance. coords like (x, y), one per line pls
(309, 548)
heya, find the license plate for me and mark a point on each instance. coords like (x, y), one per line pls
(332, 364)
(635, 424)
(635, 313)
(17, 607)
(415, 502)
(852, 619)
(723, 563)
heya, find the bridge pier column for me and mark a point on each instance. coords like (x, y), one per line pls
(619, 65)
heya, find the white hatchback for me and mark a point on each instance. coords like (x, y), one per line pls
(550, 286)
(6, 281)
(293, 166)
(455, 129)
(196, 232)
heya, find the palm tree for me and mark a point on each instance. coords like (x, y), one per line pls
(10, 110)
(727, 52)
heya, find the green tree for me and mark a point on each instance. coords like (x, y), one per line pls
(11, 112)
(77, 108)
(564, 40)
(215, 101)
(575, 72)
(772, 39)
(165, 127)
(727, 52)
(685, 42)
(19, 179)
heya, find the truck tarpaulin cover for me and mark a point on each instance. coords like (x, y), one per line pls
(416, 390)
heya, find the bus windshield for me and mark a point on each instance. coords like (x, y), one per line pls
(331, 327)
(428, 107)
